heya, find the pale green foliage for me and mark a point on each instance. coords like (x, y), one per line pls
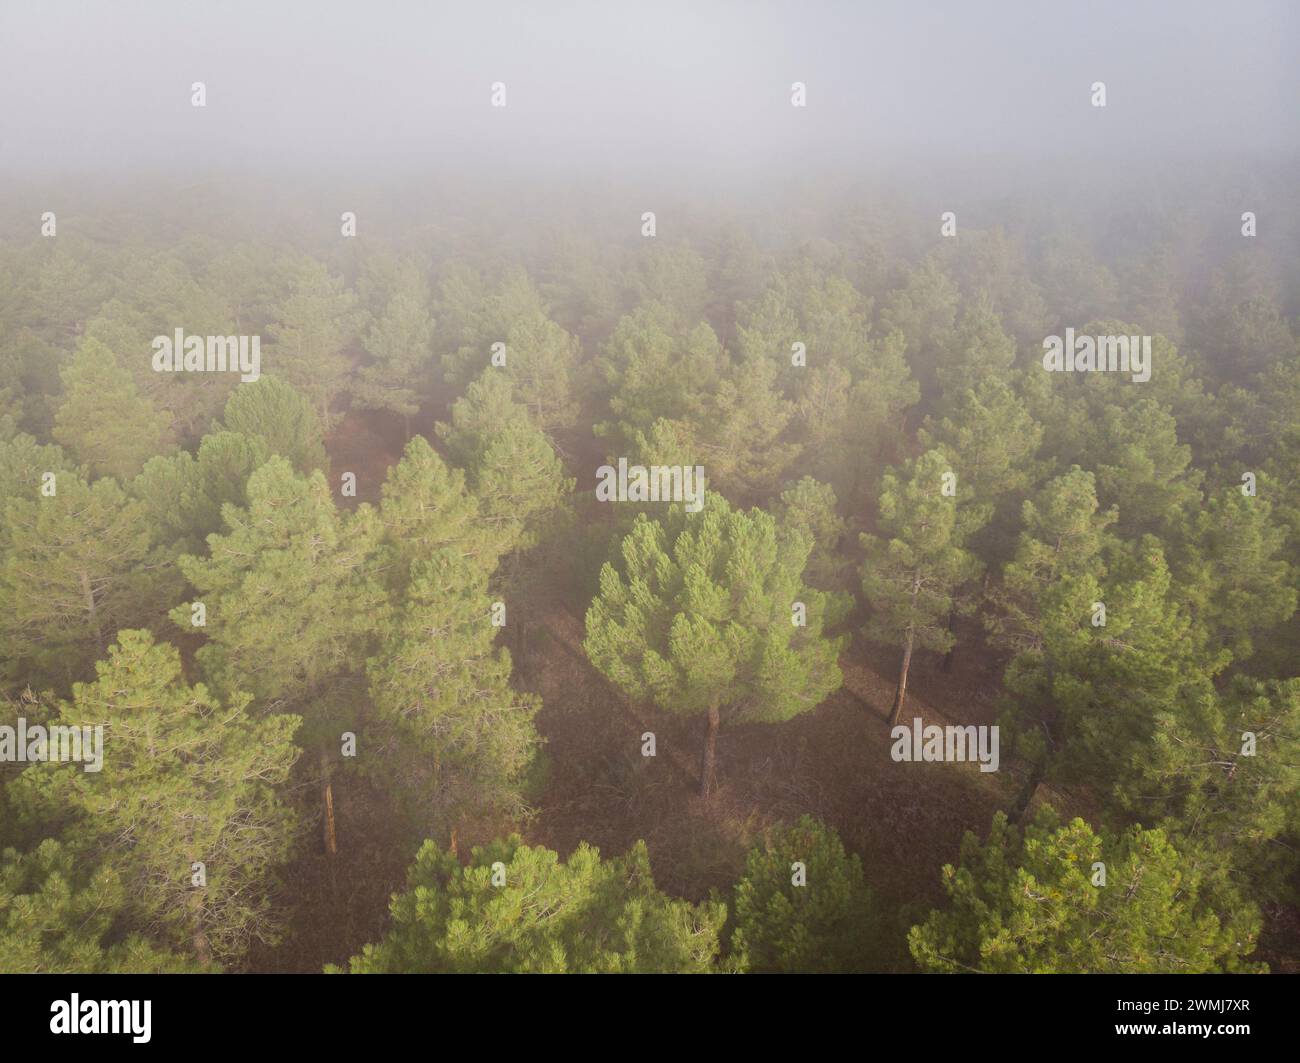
(23, 462)
(79, 565)
(913, 570)
(655, 370)
(739, 434)
(55, 920)
(811, 508)
(510, 466)
(290, 600)
(1088, 695)
(314, 328)
(1236, 562)
(1229, 799)
(186, 778)
(699, 613)
(184, 494)
(978, 349)
(472, 317)
(542, 364)
(426, 508)
(1027, 904)
(400, 340)
(102, 421)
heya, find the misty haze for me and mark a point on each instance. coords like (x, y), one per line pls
(625, 487)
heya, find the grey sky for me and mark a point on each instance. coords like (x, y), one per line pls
(664, 86)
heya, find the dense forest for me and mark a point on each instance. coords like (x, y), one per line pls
(390, 679)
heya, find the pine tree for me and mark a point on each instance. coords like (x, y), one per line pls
(913, 571)
(192, 781)
(978, 350)
(271, 411)
(23, 464)
(102, 421)
(670, 273)
(1223, 774)
(454, 731)
(509, 465)
(427, 508)
(924, 310)
(1103, 646)
(1238, 328)
(542, 362)
(1237, 565)
(1143, 469)
(1037, 904)
(739, 432)
(400, 340)
(184, 494)
(701, 618)
(990, 441)
(653, 369)
(811, 507)
(472, 318)
(289, 597)
(314, 328)
(79, 565)
(583, 916)
(55, 919)
(826, 922)
(853, 388)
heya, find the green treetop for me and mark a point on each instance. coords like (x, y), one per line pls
(1036, 903)
(703, 618)
(817, 917)
(913, 571)
(186, 779)
(581, 916)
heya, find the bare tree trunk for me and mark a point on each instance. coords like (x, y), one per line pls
(92, 610)
(901, 693)
(947, 657)
(707, 778)
(327, 792)
(1020, 809)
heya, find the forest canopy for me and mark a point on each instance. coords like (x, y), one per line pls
(429, 622)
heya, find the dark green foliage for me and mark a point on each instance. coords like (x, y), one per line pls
(827, 923)
(584, 915)
(271, 411)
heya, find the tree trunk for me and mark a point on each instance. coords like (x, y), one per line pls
(92, 611)
(710, 746)
(327, 792)
(1021, 808)
(947, 657)
(901, 692)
